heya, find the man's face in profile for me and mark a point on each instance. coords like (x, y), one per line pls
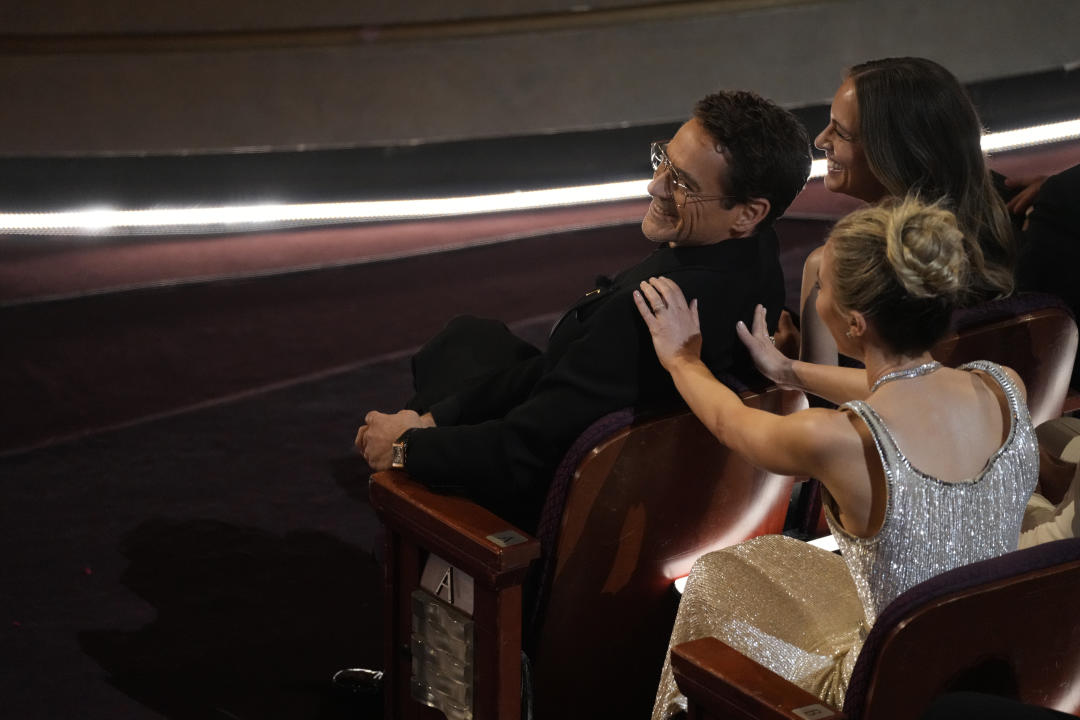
(688, 201)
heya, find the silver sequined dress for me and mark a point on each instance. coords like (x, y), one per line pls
(804, 612)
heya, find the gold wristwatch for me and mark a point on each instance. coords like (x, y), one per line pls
(399, 449)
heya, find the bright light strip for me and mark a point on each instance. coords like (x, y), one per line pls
(104, 220)
(234, 218)
(1026, 137)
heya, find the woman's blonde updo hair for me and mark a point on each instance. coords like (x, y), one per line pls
(903, 265)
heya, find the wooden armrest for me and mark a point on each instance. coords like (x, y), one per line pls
(724, 683)
(454, 528)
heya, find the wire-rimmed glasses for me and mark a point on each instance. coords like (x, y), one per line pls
(675, 184)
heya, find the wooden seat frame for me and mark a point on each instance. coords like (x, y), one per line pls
(643, 504)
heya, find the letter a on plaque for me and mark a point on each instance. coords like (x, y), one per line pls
(448, 583)
(445, 588)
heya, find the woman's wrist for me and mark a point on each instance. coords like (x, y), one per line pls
(683, 364)
(789, 375)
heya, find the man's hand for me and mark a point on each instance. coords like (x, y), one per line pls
(770, 362)
(1022, 201)
(375, 438)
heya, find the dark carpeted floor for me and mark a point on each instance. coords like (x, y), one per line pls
(82, 363)
(217, 562)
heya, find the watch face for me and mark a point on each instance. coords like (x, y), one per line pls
(397, 455)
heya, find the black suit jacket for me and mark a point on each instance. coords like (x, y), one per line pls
(499, 442)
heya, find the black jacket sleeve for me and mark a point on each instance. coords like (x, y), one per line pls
(506, 463)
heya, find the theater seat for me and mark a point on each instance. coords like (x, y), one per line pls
(1006, 626)
(635, 502)
(1033, 333)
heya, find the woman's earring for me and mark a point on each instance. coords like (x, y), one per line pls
(848, 333)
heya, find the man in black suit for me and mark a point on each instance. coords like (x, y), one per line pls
(493, 415)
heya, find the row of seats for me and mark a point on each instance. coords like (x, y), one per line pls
(574, 622)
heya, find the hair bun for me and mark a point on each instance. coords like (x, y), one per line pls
(904, 265)
(925, 248)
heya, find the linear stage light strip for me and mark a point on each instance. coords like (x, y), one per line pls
(100, 221)
(103, 220)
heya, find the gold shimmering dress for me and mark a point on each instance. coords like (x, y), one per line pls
(804, 612)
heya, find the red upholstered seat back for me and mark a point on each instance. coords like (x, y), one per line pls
(1032, 333)
(641, 507)
(1007, 626)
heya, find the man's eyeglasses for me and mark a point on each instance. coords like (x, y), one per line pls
(675, 185)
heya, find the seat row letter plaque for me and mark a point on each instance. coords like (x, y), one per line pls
(442, 640)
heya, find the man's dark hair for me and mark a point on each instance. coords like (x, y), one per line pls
(768, 149)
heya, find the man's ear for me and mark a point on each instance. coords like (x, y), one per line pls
(751, 212)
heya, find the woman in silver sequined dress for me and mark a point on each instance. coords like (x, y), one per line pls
(925, 468)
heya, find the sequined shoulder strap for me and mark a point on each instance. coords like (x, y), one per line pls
(1017, 408)
(887, 449)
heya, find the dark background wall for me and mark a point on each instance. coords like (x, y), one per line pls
(119, 76)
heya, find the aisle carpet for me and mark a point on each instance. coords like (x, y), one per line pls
(217, 561)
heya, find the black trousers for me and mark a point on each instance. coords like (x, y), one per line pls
(463, 354)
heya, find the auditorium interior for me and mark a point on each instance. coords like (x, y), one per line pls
(227, 226)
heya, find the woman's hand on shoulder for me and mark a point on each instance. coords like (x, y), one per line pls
(673, 323)
(770, 362)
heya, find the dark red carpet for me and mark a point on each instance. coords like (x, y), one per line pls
(191, 536)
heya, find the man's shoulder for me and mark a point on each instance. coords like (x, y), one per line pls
(724, 256)
(751, 260)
